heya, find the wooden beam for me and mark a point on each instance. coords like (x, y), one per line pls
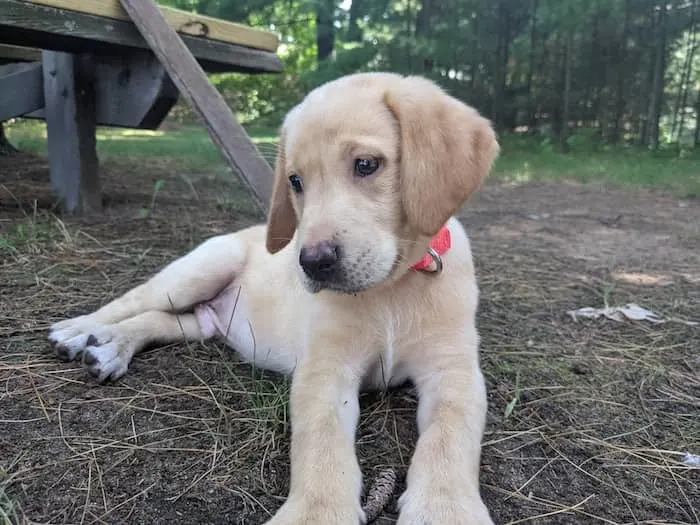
(199, 92)
(70, 120)
(131, 91)
(181, 21)
(19, 54)
(21, 89)
(33, 25)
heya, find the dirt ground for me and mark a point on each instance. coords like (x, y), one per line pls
(589, 421)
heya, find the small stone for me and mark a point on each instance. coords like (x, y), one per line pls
(580, 368)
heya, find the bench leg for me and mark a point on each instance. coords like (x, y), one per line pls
(70, 112)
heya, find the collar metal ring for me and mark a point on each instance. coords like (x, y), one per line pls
(437, 259)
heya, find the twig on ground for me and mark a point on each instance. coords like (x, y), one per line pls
(379, 494)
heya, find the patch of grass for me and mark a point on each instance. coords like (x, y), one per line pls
(145, 211)
(268, 393)
(32, 234)
(516, 397)
(9, 508)
(524, 159)
(191, 147)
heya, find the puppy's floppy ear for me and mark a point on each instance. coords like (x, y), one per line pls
(447, 150)
(281, 220)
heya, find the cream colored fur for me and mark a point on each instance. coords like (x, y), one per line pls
(376, 325)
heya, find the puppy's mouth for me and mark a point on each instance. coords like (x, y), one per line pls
(317, 286)
(341, 282)
(345, 282)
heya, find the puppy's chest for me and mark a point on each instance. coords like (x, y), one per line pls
(389, 368)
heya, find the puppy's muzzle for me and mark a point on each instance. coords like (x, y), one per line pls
(321, 262)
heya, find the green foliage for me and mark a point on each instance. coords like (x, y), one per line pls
(350, 58)
(509, 59)
(265, 98)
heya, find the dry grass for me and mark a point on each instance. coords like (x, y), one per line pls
(605, 410)
(588, 421)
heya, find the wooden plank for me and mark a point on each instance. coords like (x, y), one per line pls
(70, 120)
(132, 91)
(19, 54)
(227, 133)
(33, 25)
(181, 21)
(21, 89)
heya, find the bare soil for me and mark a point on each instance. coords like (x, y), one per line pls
(588, 423)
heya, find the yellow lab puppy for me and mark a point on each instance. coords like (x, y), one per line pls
(361, 279)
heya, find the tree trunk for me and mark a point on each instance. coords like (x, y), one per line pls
(657, 89)
(682, 96)
(556, 66)
(424, 19)
(325, 29)
(476, 55)
(532, 114)
(696, 135)
(499, 88)
(649, 50)
(6, 148)
(679, 93)
(621, 70)
(566, 103)
(595, 78)
(688, 71)
(354, 31)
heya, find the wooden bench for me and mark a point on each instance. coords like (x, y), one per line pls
(82, 63)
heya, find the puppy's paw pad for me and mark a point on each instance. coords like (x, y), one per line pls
(106, 362)
(65, 353)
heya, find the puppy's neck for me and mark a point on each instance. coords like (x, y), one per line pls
(432, 260)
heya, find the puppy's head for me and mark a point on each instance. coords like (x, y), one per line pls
(369, 168)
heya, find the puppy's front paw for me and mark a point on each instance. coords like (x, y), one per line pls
(310, 511)
(441, 507)
(70, 337)
(103, 349)
(108, 360)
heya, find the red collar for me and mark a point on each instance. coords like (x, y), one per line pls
(439, 245)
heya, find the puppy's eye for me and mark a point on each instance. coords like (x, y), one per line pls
(365, 166)
(296, 182)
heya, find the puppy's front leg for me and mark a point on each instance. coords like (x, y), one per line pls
(443, 478)
(325, 476)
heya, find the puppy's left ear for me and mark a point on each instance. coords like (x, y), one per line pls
(447, 150)
(281, 219)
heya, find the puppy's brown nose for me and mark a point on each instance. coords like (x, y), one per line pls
(320, 261)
